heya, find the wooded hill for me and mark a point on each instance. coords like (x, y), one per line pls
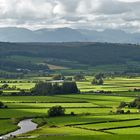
(34, 56)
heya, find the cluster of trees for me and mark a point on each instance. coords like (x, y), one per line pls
(48, 88)
(98, 79)
(7, 87)
(120, 110)
(134, 104)
(77, 77)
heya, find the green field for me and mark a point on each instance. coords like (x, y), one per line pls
(92, 118)
(111, 84)
(117, 84)
(94, 113)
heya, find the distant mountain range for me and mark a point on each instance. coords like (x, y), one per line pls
(13, 34)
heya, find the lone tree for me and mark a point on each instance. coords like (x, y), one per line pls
(98, 80)
(56, 111)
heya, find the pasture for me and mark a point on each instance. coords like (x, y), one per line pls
(94, 113)
(110, 84)
(92, 116)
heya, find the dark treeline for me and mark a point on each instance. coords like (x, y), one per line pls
(48, 88)
(10, 75)
(91, 54)
(24, 66)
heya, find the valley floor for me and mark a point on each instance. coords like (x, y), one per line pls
(93, 117)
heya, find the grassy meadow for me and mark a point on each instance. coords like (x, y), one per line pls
(92, 116)
(94, 113)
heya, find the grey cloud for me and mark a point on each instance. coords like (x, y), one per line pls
(97, 14)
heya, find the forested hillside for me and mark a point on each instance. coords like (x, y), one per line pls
(36, 56)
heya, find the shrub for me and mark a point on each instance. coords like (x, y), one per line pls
(72, 114)
(118, 111)
(128, 112)
(122, 104)
(56, 111)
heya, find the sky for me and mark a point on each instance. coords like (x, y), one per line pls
(85, 14)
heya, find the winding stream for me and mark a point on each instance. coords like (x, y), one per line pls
(25, 126)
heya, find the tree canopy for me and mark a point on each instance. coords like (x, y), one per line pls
(56, 111)
(48, 88)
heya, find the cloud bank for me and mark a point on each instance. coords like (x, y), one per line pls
(91, 14)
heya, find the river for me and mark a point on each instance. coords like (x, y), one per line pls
(25, 126)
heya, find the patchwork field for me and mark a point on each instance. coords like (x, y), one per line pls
(117, 84)
(111, 84)
(92, 116)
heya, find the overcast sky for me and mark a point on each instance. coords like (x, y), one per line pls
(92, 14)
